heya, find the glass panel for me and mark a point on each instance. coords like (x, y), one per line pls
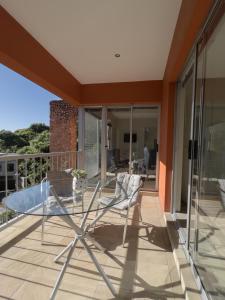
(195, 151)
(144, 144)
(209, 257)
(118, 140)
(92, 143)
(181, 149)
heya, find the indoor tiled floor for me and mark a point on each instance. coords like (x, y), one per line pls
(144, 269)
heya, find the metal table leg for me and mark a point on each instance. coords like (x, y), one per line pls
(61, 274)
(81, 233)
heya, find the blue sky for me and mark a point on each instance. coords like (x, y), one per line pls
(21, 101)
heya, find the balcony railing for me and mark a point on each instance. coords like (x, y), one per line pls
(20, 171)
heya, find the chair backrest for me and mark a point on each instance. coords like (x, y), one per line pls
(127, 187)
(133, 188)
(61, 181)
(222, 190)
(122, 181)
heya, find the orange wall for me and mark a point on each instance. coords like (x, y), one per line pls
(119, 93)
(166, 144)
(192, 16)
(22, 53)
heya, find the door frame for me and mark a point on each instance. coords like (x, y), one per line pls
(190, 68)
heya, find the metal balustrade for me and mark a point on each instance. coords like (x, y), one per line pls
(21, 171)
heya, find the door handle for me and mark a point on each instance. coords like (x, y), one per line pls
(193, 144)
(190, 149)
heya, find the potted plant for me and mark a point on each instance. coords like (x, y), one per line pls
(79, 173)
(79, 178)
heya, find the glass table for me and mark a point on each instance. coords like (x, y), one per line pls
(43, 200)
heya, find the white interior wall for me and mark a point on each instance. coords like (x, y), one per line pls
(120, 127)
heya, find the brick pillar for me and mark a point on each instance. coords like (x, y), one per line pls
(63, 127)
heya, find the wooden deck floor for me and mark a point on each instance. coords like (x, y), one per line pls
(144, 269)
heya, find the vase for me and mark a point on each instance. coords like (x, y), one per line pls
(78, 186)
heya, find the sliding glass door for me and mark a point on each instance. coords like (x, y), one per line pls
(199, 157)
(89, 142)
(119, 139)
(145, 144)
(196, 151)
(207, 243)
(182, 148)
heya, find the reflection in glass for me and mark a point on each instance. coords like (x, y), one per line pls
(181, 148)
(208, 243)
(195, 153)
(92, 143)
(118, 140)
(144, 148)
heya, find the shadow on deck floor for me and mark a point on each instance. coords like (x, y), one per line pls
(144, 269)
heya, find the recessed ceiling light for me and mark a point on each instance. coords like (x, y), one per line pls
(117, 55)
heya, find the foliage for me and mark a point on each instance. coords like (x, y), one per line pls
(31, 140)
(41, 142)
(78, 173)
(38, 127)
(1, 144)
(27, 150)
(6, 215)
(11, 140)
(34, 139)
(27, 134)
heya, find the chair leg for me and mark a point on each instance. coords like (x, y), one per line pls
(139, 213)
(73, 205)
(96, 214)
(125, 227)
(82, 197)
(43, 229)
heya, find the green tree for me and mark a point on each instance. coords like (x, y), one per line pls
(10, 141)
(33, 139)
(27, 150)
(41, 142)
(27, 134)
(2, 145)
(38, 127)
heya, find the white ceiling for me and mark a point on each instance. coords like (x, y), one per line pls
(84, 35)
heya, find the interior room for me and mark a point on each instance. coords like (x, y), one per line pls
(140, 125)
(131, 143)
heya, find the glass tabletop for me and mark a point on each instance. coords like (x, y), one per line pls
(47, 199)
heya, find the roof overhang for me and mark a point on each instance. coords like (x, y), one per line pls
(29, 50)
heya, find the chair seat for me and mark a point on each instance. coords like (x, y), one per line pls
(105, 201)
(125, 196)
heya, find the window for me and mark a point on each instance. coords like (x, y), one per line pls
(10, 167)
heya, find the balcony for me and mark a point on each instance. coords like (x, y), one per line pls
(106, 56)
(144, 268)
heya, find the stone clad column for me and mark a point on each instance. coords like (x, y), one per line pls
(63, 130)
